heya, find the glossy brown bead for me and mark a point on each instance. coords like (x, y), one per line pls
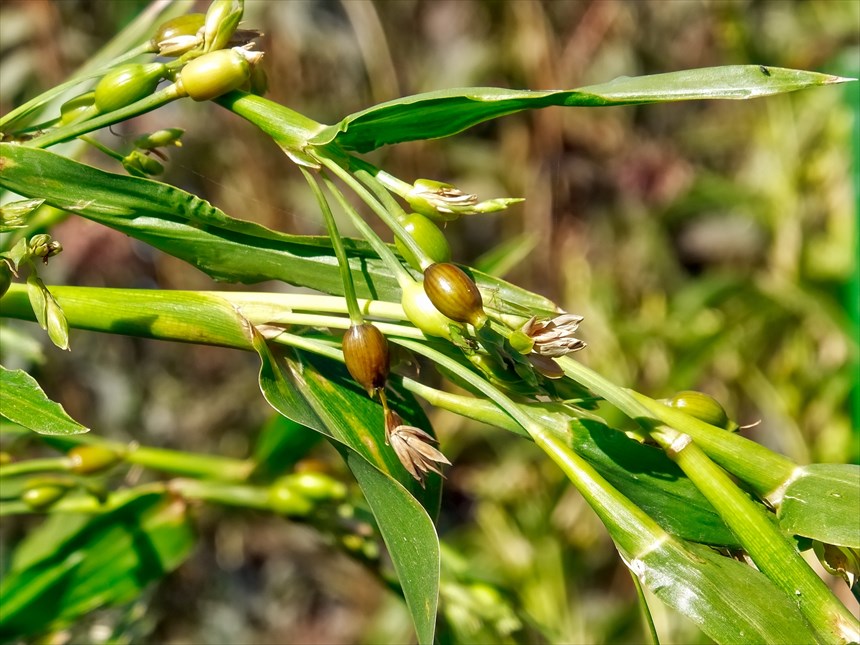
(454, 293)
(365, 351)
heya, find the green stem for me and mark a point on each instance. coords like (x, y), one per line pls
(647, 619)
(101, 147)
(763, 469)
(84, 503)
(289, 129)
(73, 130)
(367, 197)
(29, 466)
(400, 274)
(228, 494)
(772, 552)
(355, 316)
(369, 175)
(393, 222)
(37, 102)
(190, 464)
(175, 462)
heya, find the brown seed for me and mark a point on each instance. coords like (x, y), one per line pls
(454, 293)
(365, 351)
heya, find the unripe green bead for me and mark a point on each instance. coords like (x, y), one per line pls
(214, 74)
(429, 237)
(186, 25)
(702, 406)
(89, 460)
(126, 84)
(454, 294)
(42, 496)
(423, 314)
(283, 499)
(77, 106)
(365, 351)
(316, 486)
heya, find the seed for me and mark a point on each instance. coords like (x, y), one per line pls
(702, 406)
(42, 496)
(365, 351)
(429, 237)
(186, 25)
(454, 294)
(88, 460)
(126, 84)
(214, 74)
(423, 314)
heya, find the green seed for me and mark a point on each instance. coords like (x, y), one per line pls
(88, 460)
(187, 25)
(702, 406)
(126, 84)
(454, 294)
(365, 351)
(76, 107)
(42, 496)
(214, 74)
(283, 499)
(429, 237)
(423, 314)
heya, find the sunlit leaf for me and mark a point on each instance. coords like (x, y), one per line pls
(191, 229)
(442, 113)
(730, 601)
(295, 388)
(24, 402)
(822, 504)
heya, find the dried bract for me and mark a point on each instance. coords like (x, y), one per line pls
(413, 447)
(554, 337)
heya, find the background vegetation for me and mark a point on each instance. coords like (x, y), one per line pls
(709, 245)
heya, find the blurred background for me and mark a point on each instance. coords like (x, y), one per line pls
(709, 245)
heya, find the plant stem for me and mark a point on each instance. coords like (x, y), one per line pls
(771, 551)
(388, 218)
(400, 274)
(101, 147)
(73, 130)
(29, 466)
(355, 316)
(764, 469)
(369, 175)
(22, 111)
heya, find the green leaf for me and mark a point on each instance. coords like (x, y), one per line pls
(652, 481)
(346, 415)
(730, 601)
(822, 504)
(191, 229)
(24, 403)
(440, 114)
(72, 566)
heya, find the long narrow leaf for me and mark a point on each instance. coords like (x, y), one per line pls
(191, 229)
(299, 392)
(440, 114)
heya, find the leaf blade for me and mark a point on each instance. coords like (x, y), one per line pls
(25, 403)
(822, 504)
(433, 115)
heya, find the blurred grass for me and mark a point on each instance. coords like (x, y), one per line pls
(709, 246)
